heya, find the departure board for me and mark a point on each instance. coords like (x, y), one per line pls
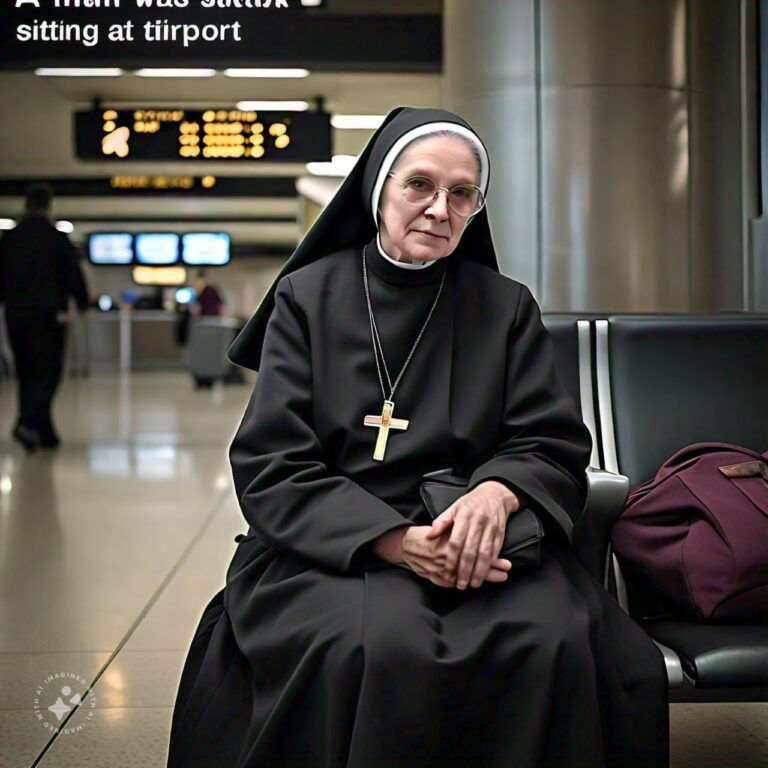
(210, 134)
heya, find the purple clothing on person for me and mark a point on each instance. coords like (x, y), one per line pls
(210, 301)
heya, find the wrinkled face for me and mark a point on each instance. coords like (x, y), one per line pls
(430, 230)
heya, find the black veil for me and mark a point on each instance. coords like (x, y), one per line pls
(347, 221)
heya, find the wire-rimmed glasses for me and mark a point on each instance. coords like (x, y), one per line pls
(463, 199)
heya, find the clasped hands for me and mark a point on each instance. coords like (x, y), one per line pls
(461, 546)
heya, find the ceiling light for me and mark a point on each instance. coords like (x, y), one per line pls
(7, 223)
(311, 3)
(65, 226)
(79, 71)
(366, 122)
(340, 165)
(295, 72)
(174, 72)
(273, 106)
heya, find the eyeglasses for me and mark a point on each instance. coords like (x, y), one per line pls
(463, 199)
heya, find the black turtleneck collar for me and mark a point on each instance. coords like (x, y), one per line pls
(391, 273)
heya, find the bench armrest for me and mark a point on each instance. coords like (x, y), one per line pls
(606, 497)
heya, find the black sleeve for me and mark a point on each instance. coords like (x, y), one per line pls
(73, 279)
(280, 474)
(544, 446)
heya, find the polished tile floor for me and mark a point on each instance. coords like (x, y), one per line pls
(111, 546)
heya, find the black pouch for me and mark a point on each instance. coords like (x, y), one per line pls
(522, 541)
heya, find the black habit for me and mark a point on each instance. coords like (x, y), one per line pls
(319, 654)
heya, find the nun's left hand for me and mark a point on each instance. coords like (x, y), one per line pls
(478, 520)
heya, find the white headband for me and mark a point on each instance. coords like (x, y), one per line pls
(406, 138)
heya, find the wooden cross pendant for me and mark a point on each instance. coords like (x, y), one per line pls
(385, 422)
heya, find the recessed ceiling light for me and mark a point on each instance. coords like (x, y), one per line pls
(174, 72)
(273, 106)
(65, 226)
(7, 223)
(366, 122)
(295, 72)
(79, 71)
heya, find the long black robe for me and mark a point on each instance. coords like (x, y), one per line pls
(319, 654)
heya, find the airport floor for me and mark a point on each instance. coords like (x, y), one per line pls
(111, 546)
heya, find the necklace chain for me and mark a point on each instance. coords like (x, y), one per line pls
(377, 347)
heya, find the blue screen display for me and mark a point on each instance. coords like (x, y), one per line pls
(157, 248)
(205, 249)
(110, 248)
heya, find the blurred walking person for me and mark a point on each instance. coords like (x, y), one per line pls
(38, 273)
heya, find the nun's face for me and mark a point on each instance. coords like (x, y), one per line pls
(430, 230)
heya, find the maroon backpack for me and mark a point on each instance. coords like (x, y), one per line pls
(693, 542)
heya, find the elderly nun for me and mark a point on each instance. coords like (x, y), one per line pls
(355, 630)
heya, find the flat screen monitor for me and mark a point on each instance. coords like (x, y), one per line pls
(156, 248)
(110, 248)
(205, 249)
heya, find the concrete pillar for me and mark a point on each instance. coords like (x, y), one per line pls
(617, 141)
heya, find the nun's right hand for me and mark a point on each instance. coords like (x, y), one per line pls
(427, 555)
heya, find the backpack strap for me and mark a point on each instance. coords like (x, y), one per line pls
(757, 468)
